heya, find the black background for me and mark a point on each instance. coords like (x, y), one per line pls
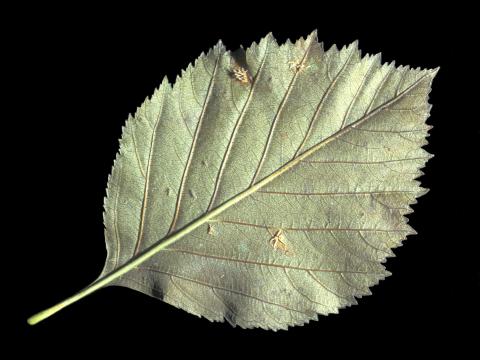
(78, 74)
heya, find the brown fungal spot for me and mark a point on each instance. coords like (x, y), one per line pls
(284, 135)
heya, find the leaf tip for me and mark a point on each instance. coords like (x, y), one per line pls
(219, 46)
(422, 191)
(165, 83)
(411, 231)
(272, 40)
(434, 71)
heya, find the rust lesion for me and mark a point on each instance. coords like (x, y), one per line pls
(210, 230)
(277, 241)
(242, 75)
(239, 70)
(297, 66)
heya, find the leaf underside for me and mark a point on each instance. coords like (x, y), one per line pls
(312, 239)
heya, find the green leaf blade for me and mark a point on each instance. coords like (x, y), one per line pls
(269, 201)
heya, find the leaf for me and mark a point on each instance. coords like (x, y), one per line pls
(266, 186)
